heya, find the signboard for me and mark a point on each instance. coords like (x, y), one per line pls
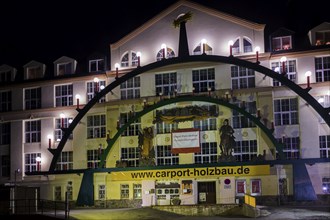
(186, 141)
(194, 172)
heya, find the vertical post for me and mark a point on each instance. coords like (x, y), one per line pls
(117, 66)
(66, 205)
(62, 115)
(163, 46)
(308, 75)
(77, 98)
(96, 84)
(138, 54)
(49, 141)
(230, 44)
(283, 60)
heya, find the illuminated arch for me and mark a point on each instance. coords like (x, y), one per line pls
(303, 93)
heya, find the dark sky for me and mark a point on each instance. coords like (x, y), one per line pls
(47, 30)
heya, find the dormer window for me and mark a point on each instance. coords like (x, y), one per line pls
(168, 51)
(34, 72)
(96, 65)
(124, 60)
(64, 69)
(322, 38)
(235, 47)
(281, 43)
(247, 45)
(5, 76)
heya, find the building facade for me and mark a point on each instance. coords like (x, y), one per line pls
(148, 129)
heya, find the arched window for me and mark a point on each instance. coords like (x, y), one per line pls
(247, 45)
(124, 60)
(235, 47)
(168, 51)
(134, 59)
(198, 50)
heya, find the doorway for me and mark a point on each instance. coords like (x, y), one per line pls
(206, 193)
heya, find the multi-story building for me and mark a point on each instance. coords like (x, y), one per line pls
(147, 127)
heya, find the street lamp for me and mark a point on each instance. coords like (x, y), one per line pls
(96, 84)
(62, 115)
(283, 60)
(49, 141)
(163, 46)
(203, 42)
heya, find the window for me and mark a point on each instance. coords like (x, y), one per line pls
(5, 101)
(124, 191)
(64, 69)
(124, 60)
(165, 84)
(31, 163)
(101, 192)
(247, 45)
(322, 69)
(235, 47)
(134, 59)
(199, 49)
(59, 123)
(239, 120)
(242, 77)
(324, 100)
(69, 190)
(165, 157)
(130, 89)
(245, 150)
(324, 143)
(134, 128)
(137, 191)
(32, 98)
(203, 80)
(63, 95)
(32, 131)
(255, 185)
(326, 185)
(93, 158)
(281, 43)
(65, 161)
(57, 193)
(165, 128)
(96, 127)
(34, 72)
(5, 133)
(5, 166)
(209, 124)
(291, 147)
(94, 87)
(240, 187)
(286, 111)
(5, 76)
(322, 38)
(168, 51)
(131, 155)
(208, 153)
(291, 71)
(96, 65)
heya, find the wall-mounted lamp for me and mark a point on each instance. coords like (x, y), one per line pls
(77, 98)
(283, 61)
(138, 54)
(62, 116)
(203, 44)
(117, 66)
(257, 49)
(308, 75)
(38, 159)
(163, 46)
(49, 141)
(230, 44)
(96, 84)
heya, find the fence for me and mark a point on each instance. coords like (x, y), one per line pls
(32, 207)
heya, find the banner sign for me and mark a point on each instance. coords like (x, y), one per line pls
(186, 141)
(194, 172)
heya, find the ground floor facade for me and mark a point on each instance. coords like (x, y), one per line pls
(185, 185)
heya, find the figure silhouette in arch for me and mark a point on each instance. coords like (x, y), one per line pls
(227, 138)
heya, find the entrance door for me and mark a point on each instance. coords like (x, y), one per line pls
(206, 193)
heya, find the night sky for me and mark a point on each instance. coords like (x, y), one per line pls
(46, 30)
